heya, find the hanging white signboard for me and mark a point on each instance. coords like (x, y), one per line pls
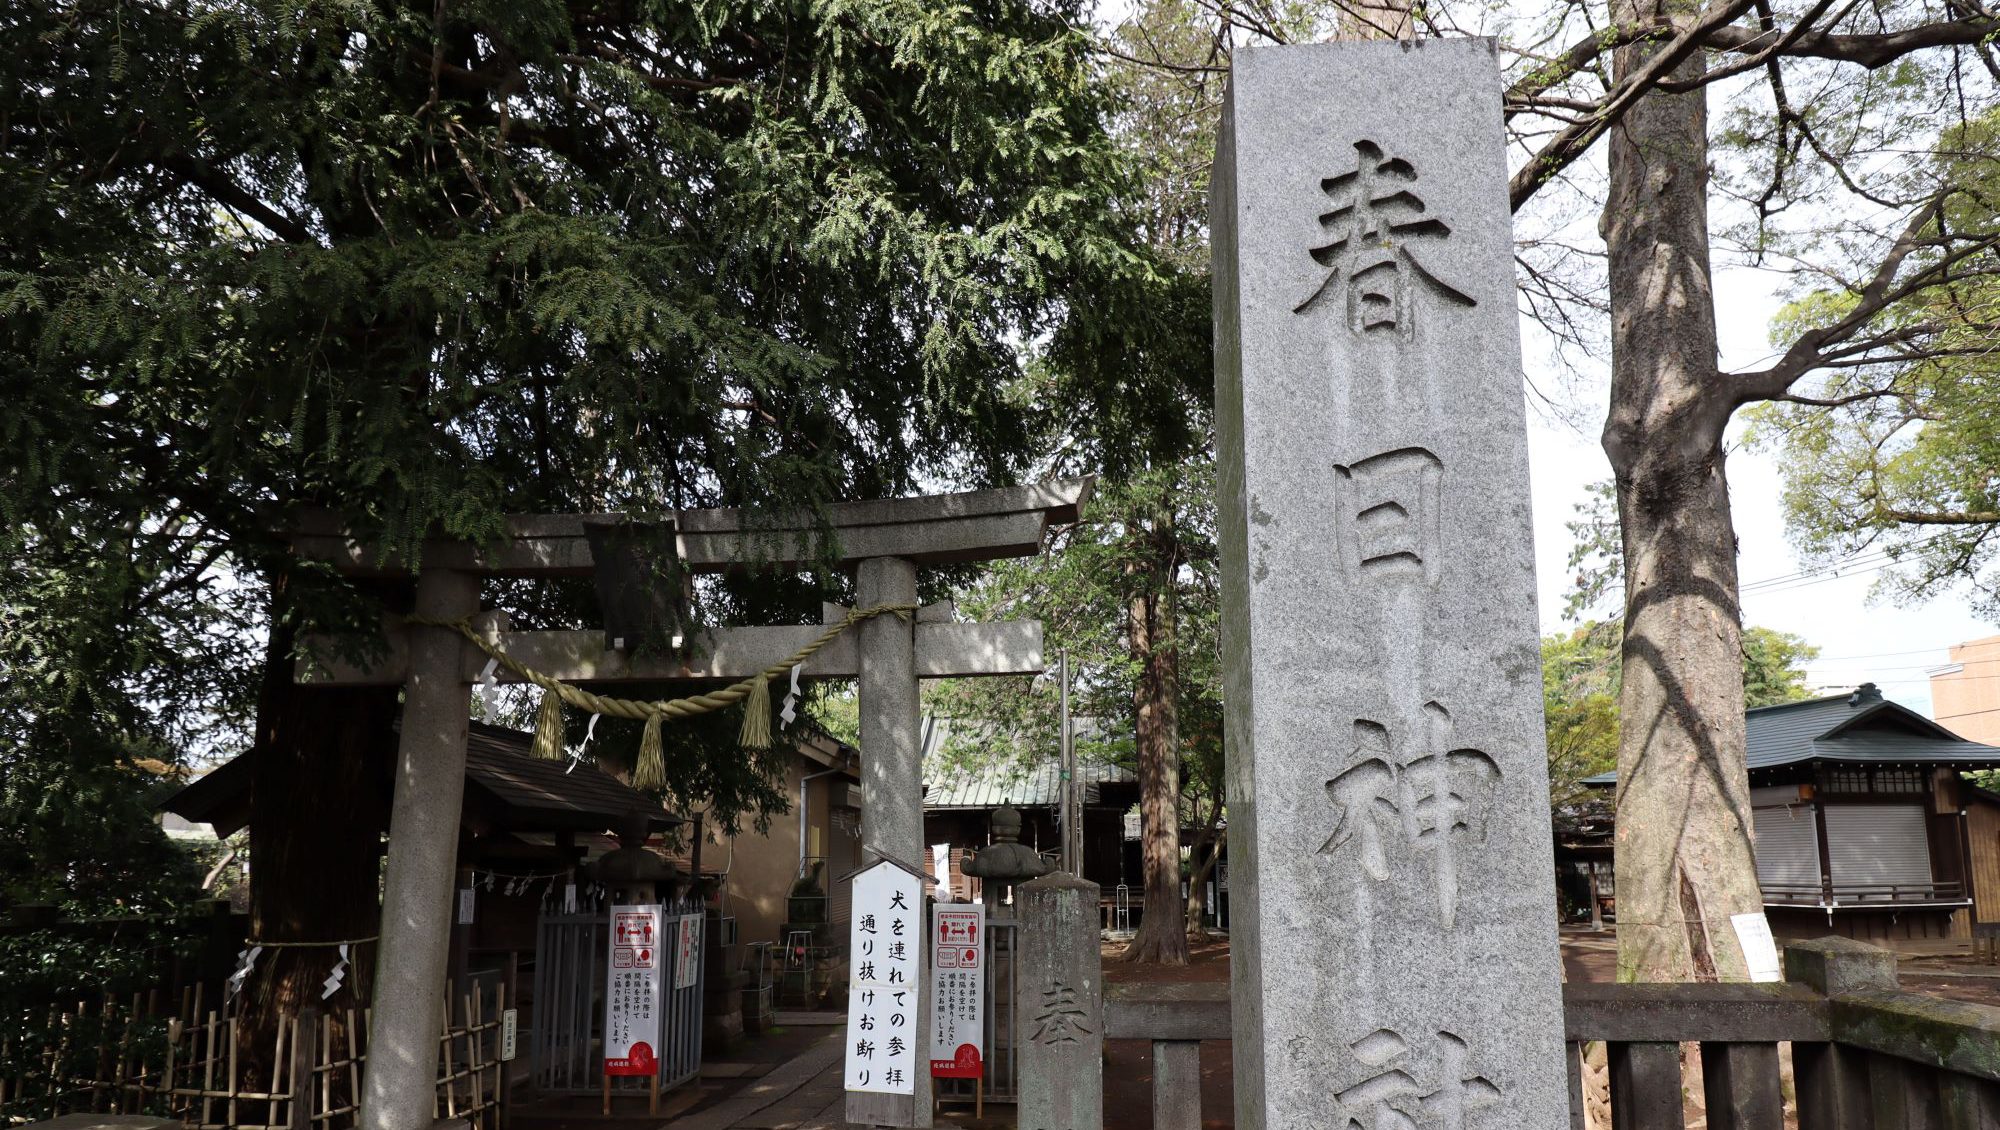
(632, 996)
(885, 937)
(958, 991)
(687, 967)
(1760, 949)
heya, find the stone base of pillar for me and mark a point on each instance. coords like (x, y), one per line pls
(722, 1010)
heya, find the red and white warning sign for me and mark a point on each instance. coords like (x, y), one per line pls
(958, 991)
(632, 993)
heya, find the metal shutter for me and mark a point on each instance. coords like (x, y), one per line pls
(1787, 846)
(1877, 843)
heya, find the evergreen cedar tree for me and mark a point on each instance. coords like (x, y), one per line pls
(425, 265)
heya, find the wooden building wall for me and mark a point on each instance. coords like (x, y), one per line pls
(1982, 833)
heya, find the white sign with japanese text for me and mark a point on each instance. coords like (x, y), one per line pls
(632, 992)
(687, 966)
(958, 991)
(884, 942)
(1760, 949)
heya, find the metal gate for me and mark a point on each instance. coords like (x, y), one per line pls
(566, 1037)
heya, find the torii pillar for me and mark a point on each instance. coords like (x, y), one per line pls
(892, 798)
(414, 949)
(884, 542)
(892, 771)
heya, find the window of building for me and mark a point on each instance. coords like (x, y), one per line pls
(1899, 781)
(1787, 850)
(1904, 780)
(1878, 850)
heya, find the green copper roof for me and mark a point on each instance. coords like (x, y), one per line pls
(1859, 725)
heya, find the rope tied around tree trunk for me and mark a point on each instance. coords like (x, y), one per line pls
(649, 772)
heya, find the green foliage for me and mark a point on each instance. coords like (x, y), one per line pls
(1080, 591)
(837, 710)
(1774, 666)
(1580, 709)
(72, 962)
(114, 657)
(85, 839)
(1773, 661)
(424, 266)
(1581, 683)
(1597, 554)
(64, 1001)
(1895, 464)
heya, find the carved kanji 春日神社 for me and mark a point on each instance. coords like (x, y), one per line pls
(1408, 1090)
(1428, 798)
(1390, 514)
(1375, 217)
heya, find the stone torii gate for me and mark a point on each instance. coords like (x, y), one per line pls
(884, 542)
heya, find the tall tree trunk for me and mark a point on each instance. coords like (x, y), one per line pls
(1162, 935)
(319, 803)
(1203, 857)
(1683, 852)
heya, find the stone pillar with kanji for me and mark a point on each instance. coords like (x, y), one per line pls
(1393, 929)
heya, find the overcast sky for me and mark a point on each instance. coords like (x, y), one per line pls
(1859, 639)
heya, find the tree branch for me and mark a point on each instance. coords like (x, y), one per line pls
(1942, 518)
(1713, 32)
(197, 173)
(1805, 353)
(1841, 401)
(1575, 139)
(1572, 62)
(1782, 45)
(1871, 51)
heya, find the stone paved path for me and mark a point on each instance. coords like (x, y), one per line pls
(787, 1096)
(802, 1094)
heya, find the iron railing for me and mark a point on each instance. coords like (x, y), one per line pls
(1831, 895)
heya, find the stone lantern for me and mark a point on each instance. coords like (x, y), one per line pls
(632, 874)
(1007, 861)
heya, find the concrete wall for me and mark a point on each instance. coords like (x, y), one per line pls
(1966, 700)
(765, 865)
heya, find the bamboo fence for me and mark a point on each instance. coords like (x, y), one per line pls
(188, 1063)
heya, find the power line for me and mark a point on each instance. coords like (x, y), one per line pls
(1830, 568)
(1946, 680)
(1844, 566)
(1883, 654)
(1846, 570)
(1809, 581)
(1894, 666)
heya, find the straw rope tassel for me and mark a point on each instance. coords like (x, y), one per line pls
(650, 770)
(549, 727)
(756, 732)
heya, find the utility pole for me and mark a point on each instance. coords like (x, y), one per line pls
(1072, 838)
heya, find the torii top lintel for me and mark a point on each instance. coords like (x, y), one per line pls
(941, 529)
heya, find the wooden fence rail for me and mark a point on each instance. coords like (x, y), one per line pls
(189, 1063)
(1176, 1018)
(1864, 1054)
